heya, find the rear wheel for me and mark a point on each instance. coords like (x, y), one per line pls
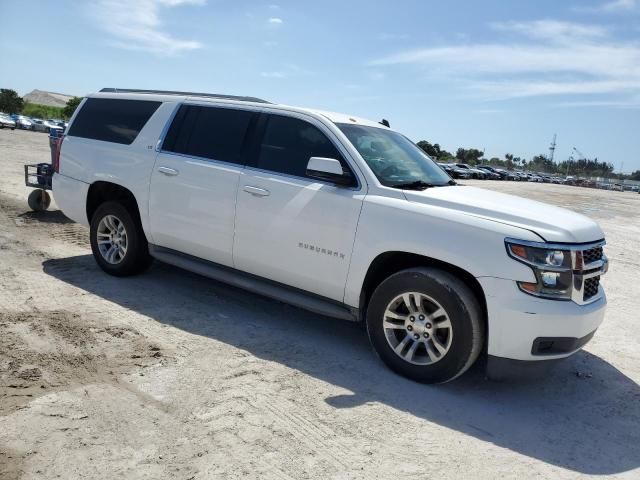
(426, 325)
(117, 240)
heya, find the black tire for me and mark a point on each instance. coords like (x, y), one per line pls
(136, 259)
(39, 200)
(462, 308)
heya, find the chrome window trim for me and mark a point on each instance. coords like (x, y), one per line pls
(221, 163)
(300, 116)
(273, 173)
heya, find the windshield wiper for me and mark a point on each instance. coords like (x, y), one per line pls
(417, 185)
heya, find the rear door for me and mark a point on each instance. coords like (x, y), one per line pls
(291, 228)
(192, 201)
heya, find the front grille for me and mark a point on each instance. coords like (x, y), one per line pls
(592, 255)
(590, 287)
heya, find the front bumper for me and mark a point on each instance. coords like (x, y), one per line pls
(522, 327)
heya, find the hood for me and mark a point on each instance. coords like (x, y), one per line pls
(553, 224)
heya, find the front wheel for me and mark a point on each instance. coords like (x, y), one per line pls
(117, 240)
(426, 325)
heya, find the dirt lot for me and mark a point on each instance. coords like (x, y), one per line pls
(170, 375)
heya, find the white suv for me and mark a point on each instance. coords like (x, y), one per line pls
(336, 214)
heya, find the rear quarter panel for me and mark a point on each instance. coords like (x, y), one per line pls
(129, 166)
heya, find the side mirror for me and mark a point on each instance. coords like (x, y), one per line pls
(329, 170)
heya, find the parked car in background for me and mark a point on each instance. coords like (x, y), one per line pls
(491, 172)
(504, 174)
(59, 123)
(22, 122)
(455, 171)
(7, 122)
(513, 175)
(475, 172)
(44, 125)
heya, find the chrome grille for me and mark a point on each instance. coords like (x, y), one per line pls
(590, 287)
(592, 255)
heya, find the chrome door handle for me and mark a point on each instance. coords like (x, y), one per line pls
(172, 172)
(255, 191)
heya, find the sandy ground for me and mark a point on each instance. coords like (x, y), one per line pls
(170, 375)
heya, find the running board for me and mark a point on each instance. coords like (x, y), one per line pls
(255, 284)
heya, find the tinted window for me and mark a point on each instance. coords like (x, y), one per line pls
(215, 133)
(289, 143)
(112, 120)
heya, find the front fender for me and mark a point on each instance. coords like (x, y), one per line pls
(473, 244)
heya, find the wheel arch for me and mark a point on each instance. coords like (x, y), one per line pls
(101, 191)
(388, 263)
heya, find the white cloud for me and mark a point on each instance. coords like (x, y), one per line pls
(559, 58)
(552, 30)
(275, 21)
(273, 74)
(614, 6)
(627, 103)
(136, 25)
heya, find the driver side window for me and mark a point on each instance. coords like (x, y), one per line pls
(288, 144)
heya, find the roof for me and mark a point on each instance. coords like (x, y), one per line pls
(164, 95)
(185, 94)
(344, 118)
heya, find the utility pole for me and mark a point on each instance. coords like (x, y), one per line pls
(569, 160)
(552, 147)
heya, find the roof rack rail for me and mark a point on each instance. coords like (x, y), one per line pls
(189, 94)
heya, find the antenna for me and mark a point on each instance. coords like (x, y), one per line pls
(552, 147)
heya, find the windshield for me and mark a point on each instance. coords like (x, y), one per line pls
(394, 159)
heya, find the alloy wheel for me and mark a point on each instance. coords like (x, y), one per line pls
(112, 239)
(417, 328)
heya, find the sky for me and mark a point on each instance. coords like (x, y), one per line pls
(501, 76)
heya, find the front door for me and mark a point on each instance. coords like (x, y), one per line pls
(291, 228)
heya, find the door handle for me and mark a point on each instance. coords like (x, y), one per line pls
(172, 172)
(255, 191)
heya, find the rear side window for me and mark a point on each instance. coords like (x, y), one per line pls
(209, 132)
(112, 120)
(288, 144)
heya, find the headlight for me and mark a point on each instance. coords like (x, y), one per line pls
(551, 266)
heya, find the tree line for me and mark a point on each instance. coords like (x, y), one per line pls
(11, 102)
(539, 163)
